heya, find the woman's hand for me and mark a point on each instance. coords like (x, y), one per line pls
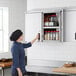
(37, 36)
(19, 72)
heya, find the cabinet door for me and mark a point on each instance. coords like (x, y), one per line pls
(33, 25)
(70, 24)
(61, 26)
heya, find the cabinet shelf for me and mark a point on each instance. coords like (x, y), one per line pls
(52, 41)
(55, 27)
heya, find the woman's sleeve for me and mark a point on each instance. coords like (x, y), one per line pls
(27, 45)
(15, 54)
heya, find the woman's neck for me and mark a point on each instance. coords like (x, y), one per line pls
(18, 41)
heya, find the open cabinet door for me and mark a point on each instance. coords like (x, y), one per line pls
(33, 25)
(61, 25)
(70, 25)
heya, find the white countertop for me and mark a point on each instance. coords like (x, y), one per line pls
(43, 69)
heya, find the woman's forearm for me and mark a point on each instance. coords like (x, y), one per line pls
(18, 69)
(19, 72)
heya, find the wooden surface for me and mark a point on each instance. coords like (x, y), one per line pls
(71, 70)
(5, 63)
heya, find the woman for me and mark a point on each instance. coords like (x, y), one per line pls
(18, 53)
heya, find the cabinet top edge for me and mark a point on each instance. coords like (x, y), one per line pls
(55, 9)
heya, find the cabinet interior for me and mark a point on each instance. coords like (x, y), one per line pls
(51, 27)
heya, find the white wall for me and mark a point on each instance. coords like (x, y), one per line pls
(65, 51)
(16, 17)
(34, 4)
